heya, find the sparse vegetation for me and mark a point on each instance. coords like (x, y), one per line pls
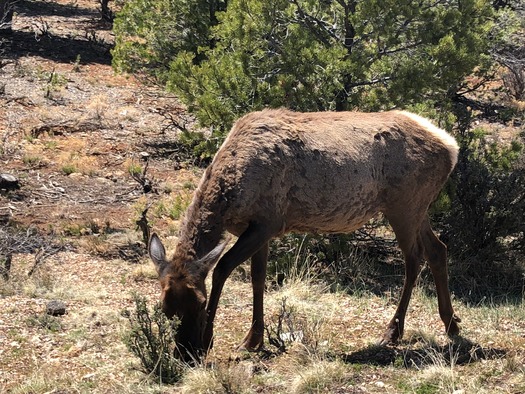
(355, 263)
(69, 169)
(32, 161)
(134, 169)
(152, 339)
(45, 321)
(74, 238)
(178, 206)
(323, 377)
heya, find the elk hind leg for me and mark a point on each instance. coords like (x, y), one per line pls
(436, 256)
(408, 240)
(395, 328)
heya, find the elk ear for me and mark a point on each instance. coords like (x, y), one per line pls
(157, 253)
(206, 263)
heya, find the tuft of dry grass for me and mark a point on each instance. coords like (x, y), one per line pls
(322, 377)
(236, 378)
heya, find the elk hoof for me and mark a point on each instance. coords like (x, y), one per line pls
(247, 347)
(453, 328)
(252, 343)
(251, 346)
(394, 332)
(391, 337)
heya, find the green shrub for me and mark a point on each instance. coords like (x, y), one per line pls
(484, 227)
(150, 33)
(488, 196)
(224, 59)
(152, 339)
(200, 147)
(69, 169)
(134, 169)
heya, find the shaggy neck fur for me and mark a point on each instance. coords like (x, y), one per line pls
(202, 228)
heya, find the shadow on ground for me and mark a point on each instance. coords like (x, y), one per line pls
(36, 40)
(460, 351)
(35, 9)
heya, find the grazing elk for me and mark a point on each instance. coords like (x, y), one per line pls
(329, 172)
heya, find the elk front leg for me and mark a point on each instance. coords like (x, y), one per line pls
(246, 246)
(255, 338)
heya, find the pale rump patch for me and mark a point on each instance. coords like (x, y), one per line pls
(445, 137)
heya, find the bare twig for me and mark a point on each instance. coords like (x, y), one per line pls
(175, 118)
(40, 28)
(29, 241)
(4, 271)
(142, 179)
(143, 225)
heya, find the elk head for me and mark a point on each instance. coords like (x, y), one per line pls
(183, 294)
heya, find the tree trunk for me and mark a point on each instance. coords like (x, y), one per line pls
(106, 12)
(341, 98)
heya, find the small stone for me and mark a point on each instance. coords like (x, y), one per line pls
(56, 308)
(9, 182)
(76, 175)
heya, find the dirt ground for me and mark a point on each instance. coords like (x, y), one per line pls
(72, 132)
(71, 129)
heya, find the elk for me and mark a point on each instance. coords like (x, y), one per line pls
(280, 171)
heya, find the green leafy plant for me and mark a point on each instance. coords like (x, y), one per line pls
(69, 169)
(55, 82)
(224, 59)
(152, 339)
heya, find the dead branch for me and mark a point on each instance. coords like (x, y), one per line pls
(143, 225)
(4, 271)
(142, 179)
(14, 241)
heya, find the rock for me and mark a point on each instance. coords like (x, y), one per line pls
(56, 308)
(9, 182)
(76, 175)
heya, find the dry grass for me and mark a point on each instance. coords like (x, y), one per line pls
(335, 352)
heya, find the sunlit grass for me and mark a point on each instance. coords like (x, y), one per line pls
(335, 351)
